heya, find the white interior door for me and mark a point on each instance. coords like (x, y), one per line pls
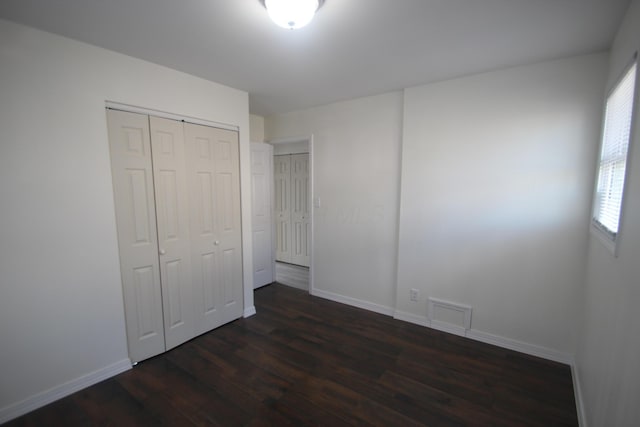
(172, 214)
(282, 206)
(300, 217)
(131, 165)
(227, 193)
(261, 206)
(213, 164)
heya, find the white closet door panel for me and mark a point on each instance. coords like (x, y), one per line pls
(146, 294)
(170, 178)
(213, 164)
(224, 193)
(300, 202)
(131, 165)
(210, 275)
(261, 205)
(203, 227)
(229, 277)
(227, 157)
(206, 220)
(282, 207)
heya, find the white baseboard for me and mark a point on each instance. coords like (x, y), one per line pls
(412, 318)
(522, 347)
(577, 389)
(377, 308)
(510, 344)
(544, 353)
(300, 286)
(449, 328)
(249, 311)
(433, 324)
(44, 398)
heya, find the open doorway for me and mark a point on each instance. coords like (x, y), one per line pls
(292, 211)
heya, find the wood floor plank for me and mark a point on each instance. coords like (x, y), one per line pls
(303, 412)
(305, 361)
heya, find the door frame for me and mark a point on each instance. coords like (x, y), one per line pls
(309, 140)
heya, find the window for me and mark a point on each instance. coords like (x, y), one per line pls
(613, 156)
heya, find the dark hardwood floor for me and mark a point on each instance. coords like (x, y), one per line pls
(307, 361)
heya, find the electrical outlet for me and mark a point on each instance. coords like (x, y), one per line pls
(413, 295)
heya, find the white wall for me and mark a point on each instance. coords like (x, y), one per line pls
(609, 349)
(256, 124)
(496, 190)
(61, 310)
(356, 156)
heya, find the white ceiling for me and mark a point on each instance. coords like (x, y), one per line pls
(352, 48)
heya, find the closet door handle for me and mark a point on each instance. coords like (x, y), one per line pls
(217, 242)
(162, 252)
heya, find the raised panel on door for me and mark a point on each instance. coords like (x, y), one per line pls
(261, 218)
(172, 212)
(199, 149)
(214, 219)
(300, 203)
(227, 196)
(131, 166)
(282, 206)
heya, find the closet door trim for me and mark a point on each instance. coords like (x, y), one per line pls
(163, 114)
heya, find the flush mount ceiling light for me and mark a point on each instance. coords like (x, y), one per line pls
(292, 14)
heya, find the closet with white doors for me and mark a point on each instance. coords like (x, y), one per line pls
(291, 209)
(177, 199)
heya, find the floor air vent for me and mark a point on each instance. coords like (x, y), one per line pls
(449, 317)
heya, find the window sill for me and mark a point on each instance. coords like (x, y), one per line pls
(605, 239)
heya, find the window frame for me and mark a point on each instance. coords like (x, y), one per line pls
(606, 236)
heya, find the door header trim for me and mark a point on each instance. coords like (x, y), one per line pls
(163, 114)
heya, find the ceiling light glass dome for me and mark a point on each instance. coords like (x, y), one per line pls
(292, 14)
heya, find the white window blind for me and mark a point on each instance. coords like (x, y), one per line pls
(613, 156)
